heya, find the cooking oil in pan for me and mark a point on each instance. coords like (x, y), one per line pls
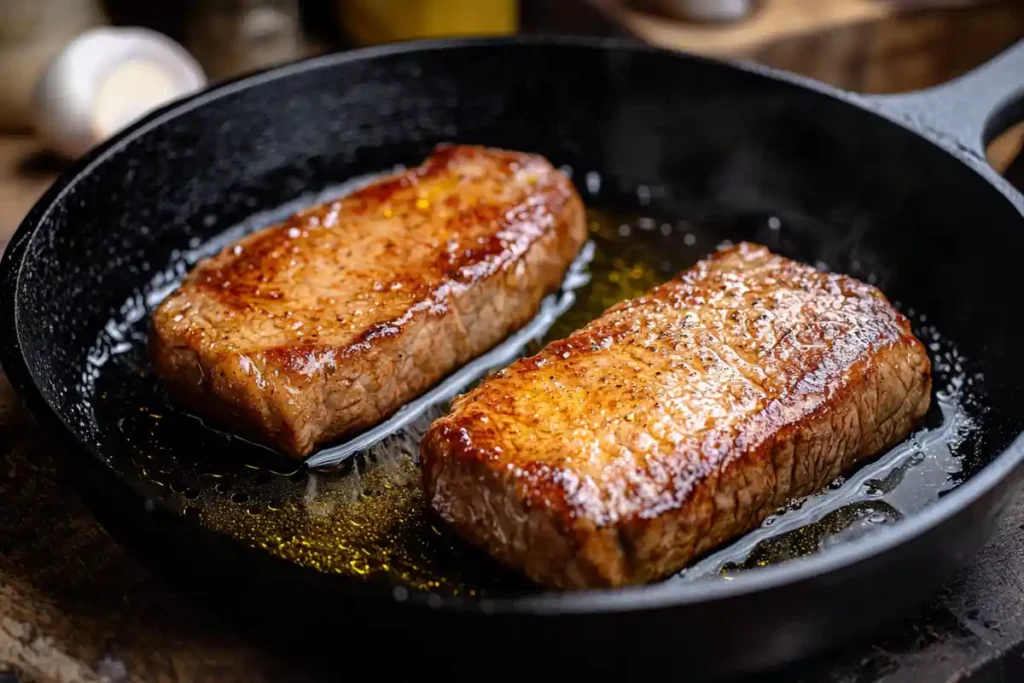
(911, 476)
(368, 519)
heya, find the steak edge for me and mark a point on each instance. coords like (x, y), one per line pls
(676, 421)
(327, 323)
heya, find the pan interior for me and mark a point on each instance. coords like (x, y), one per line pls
(368, 517)
(673, 156)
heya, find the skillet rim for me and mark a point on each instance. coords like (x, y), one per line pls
(663, 595)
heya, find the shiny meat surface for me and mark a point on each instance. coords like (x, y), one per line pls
(326, 324)
(676, 421)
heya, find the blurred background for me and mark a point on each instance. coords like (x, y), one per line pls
(73, 72)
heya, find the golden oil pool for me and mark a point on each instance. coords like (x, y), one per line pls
(368, 518)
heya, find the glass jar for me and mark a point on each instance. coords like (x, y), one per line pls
(368, 22)
(232, 37)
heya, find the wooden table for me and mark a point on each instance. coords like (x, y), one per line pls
(75, 606)
(25, 173)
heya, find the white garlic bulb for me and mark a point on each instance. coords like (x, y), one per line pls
(105, 79)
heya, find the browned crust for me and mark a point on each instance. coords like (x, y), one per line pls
(535, 483)
(326, 324)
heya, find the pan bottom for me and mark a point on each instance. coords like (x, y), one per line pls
(367, 519)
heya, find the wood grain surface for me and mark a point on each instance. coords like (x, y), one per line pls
(866, 46)
(74, 606)
(25, 173)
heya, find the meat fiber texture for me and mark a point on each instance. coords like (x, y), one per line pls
(676, 421)
(326, 324)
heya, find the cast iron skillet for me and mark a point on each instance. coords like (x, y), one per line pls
(894, 189)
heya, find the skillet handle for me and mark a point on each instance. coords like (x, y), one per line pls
(970, 110)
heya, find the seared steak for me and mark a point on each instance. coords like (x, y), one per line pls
(676, 421)
(324, 325)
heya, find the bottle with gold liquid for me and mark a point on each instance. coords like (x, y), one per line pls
(369, 22)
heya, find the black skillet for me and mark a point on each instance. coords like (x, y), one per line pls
(890, 189)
